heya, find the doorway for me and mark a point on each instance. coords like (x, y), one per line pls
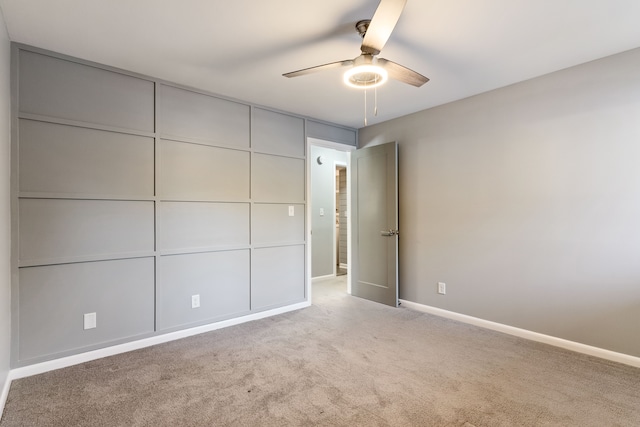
(328, 212)
(371, 218)
(341, 219)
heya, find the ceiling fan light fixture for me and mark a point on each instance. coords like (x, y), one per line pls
(366, 76)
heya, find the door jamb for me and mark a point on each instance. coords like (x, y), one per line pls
(336, 237)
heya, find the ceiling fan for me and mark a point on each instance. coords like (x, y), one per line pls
(367, 70)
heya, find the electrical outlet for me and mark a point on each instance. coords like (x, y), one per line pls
(89, 320)
(195, 301)
(442, 288)
(321, 211)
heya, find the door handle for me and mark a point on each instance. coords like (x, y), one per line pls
(390, 233)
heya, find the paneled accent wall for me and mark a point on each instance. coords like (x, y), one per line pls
(134, 195)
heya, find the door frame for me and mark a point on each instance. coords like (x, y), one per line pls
(338, 147)
(336, 236)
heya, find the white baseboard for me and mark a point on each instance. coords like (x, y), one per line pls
(5, 393)
(328, 276)
(523, 333)
(64, 362)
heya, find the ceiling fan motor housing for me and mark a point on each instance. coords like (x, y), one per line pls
(362, 27)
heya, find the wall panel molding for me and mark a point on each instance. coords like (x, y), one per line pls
(132, 191)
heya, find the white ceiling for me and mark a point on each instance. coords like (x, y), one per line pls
(241, 48)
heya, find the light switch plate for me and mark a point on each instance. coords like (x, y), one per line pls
(291, 210)
(89, 320)
(321, 211)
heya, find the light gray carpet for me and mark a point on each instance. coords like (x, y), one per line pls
(342, 362)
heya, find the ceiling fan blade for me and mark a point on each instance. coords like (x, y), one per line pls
(401, 73)
(317, 68)
(381, 26)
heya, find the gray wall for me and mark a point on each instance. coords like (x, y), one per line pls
(5, 217)
(135, 195)
(323, 178)
(525, 201)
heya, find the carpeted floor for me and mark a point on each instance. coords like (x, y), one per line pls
(342, 362)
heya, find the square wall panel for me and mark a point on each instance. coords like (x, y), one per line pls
(277, 224)
(60, 230)
(219, 281)
(277, 277)
(277, 133)
(59, 88)
(55, 298)
(202, 173)
(84, 162)
(193, 225)
(202, 117)
(331, 133)
(277, 179)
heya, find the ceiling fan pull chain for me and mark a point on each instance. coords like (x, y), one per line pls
(365, 107)
(375, 102)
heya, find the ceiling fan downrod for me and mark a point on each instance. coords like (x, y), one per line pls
(362, 27)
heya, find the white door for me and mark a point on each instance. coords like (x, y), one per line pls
(374, 206)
